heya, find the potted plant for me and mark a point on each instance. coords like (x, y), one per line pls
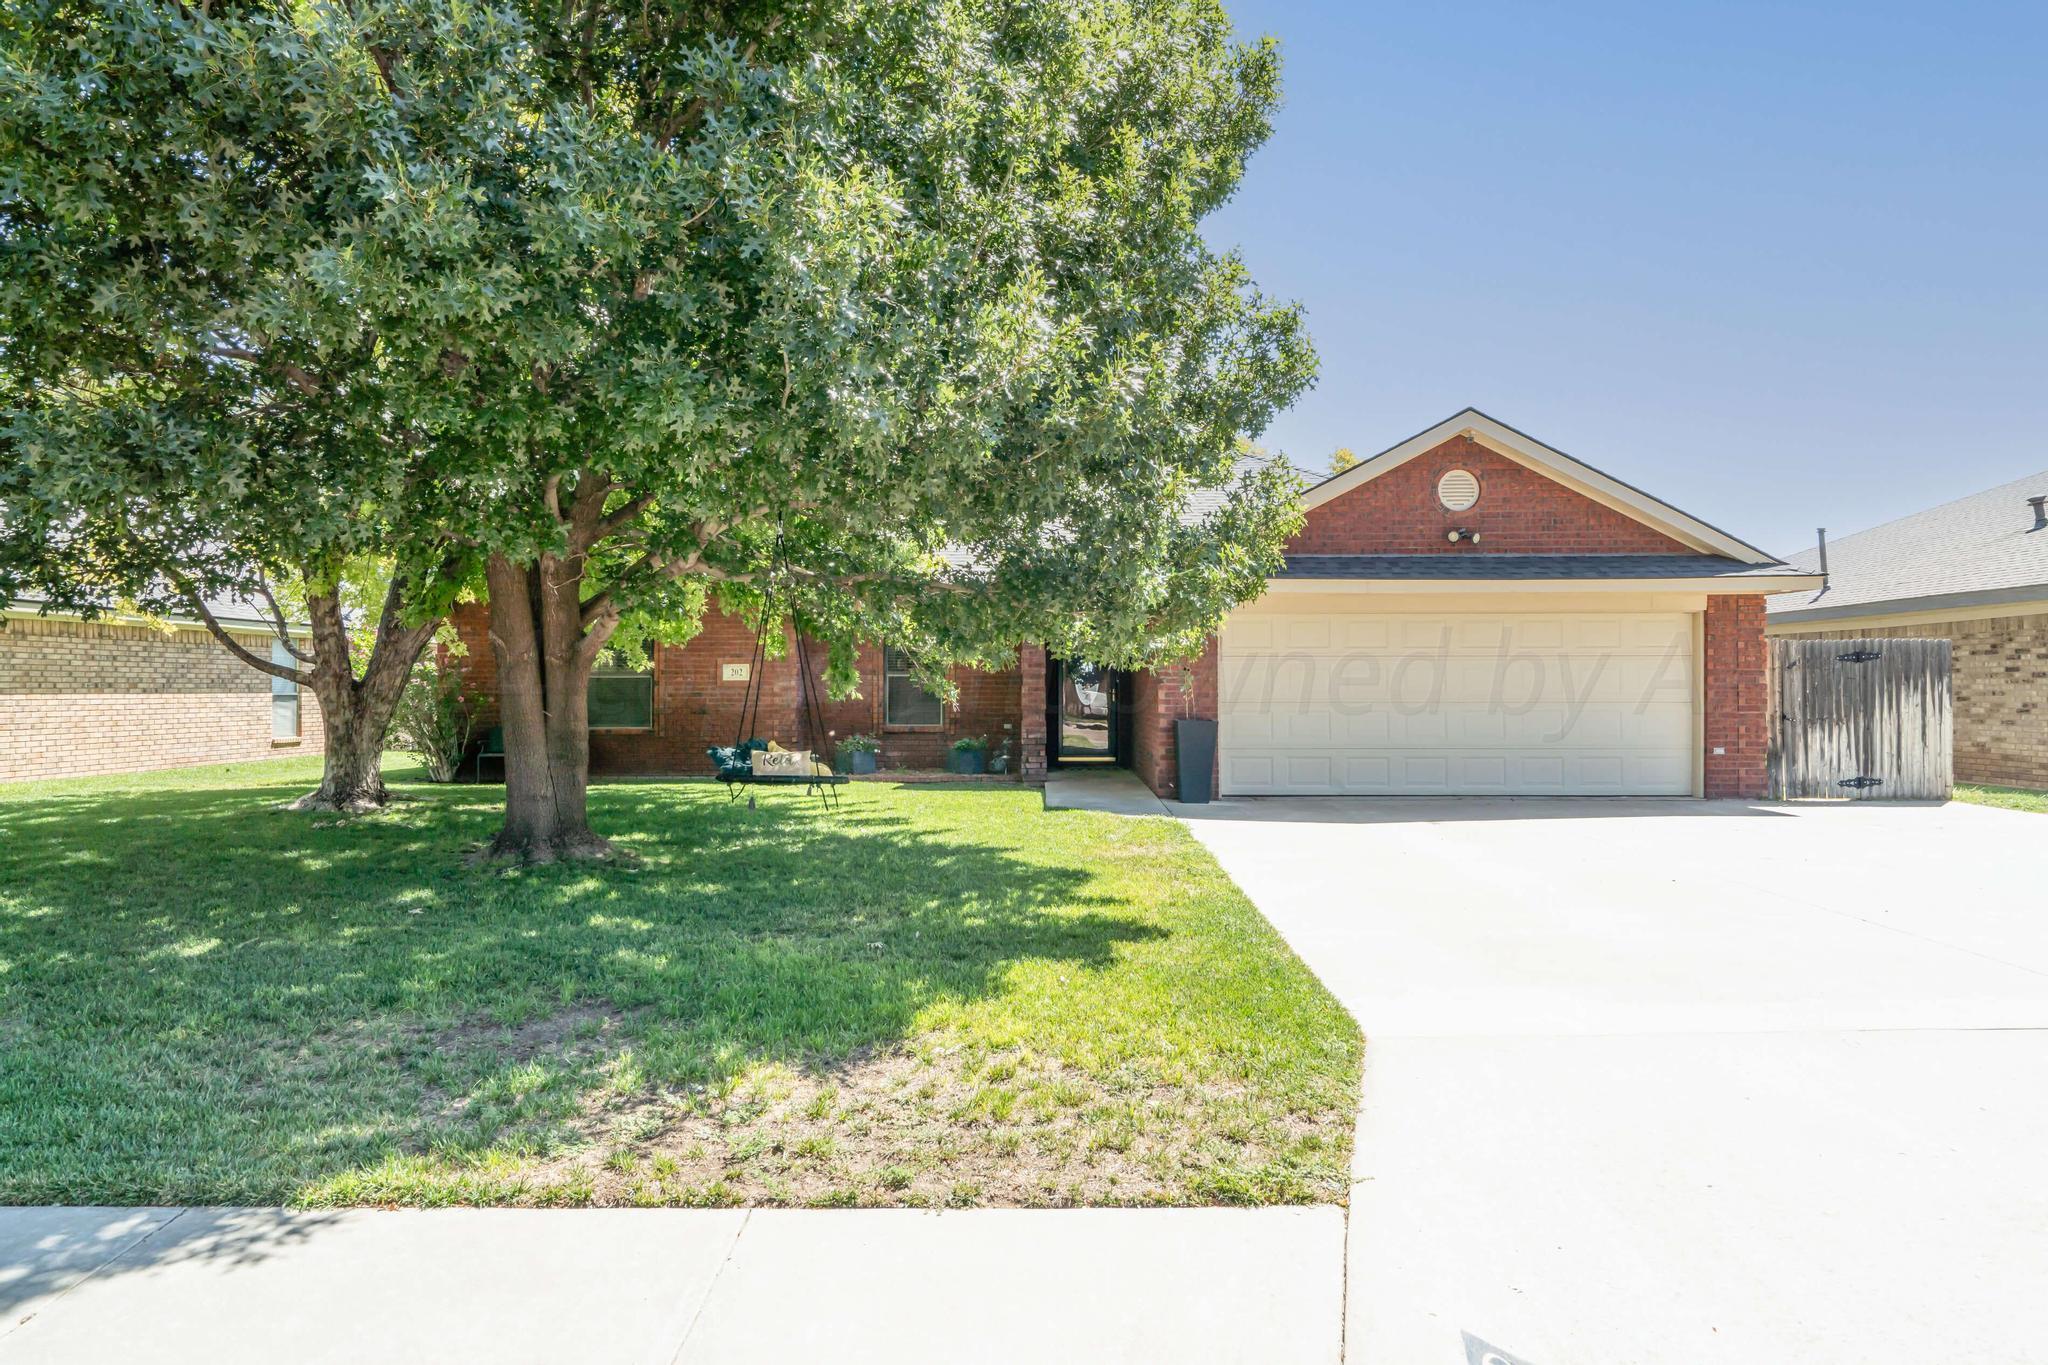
(859, 753)
(1194, 743)
(970, 755)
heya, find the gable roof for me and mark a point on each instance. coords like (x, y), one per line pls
(1526, 450)
(1976, 551)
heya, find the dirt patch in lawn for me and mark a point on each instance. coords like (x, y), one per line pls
(930, 1128)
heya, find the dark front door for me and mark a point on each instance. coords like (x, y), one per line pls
(1085, 712)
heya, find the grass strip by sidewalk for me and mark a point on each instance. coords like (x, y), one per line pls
(2010, 798)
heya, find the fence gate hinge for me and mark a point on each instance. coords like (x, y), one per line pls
(1861, 783)
(1860, 656)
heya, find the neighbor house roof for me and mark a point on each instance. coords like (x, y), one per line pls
(1983, 550)
(1524, 449)
(233, 613)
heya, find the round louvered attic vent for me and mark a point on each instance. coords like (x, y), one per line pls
(1457, 490)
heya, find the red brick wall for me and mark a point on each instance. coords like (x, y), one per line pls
(1738, 701)
(1519, 512)
(694, 709)
(1033, 707)
(1157, 701)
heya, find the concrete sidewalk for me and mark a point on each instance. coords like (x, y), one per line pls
(660, 1286)
(1115, 791)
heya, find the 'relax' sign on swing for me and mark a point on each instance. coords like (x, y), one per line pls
(782, 763)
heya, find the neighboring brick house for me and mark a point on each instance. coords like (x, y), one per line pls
(125, 694)
(1469, 612)
(1974, 572)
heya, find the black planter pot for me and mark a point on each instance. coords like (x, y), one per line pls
(1194, 743)
(966, 760)
(859, 760)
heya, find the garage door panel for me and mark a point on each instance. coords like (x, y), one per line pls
(1363, 632)
(1248, 634)
(1308, 770)
(1593, 633)
(1251, 773)
(1367, 773)
(1535, 703)
(1308, 632)
(1364, 729)
(1307, 727)
(1479, 727)
(1418, 730)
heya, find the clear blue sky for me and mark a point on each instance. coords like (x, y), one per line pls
(1783, 265)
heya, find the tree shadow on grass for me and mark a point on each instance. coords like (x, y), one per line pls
(204, 1000)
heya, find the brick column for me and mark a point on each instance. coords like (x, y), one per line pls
(1736, 694)
(1158, 703)
(1031, 712)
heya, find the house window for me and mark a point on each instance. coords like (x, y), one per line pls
(904, 699)
(284, 695)
(621, 698)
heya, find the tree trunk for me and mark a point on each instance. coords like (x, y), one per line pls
(351, 775)
(544, 660)
(356, 712)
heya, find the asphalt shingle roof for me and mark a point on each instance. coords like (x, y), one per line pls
(1481, 566)
(224, 609)
(1987, 543)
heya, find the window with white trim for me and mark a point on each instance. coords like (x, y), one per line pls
(284, 695)
(905, 700)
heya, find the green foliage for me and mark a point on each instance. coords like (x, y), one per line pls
(898, 309)
(190, 405)
(860, 744)
(435, 717)
(971, 744)
(1342, 459)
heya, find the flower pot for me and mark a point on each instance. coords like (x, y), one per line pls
(966, 760)
(1194, 743)
(859, 760)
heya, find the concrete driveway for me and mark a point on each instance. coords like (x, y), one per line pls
(1665, 1081)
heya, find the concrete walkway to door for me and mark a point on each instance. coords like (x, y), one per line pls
(1666, 1081)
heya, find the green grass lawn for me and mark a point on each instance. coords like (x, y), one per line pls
(2012, 798)
(936, 996)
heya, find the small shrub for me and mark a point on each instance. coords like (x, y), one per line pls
(435, 717)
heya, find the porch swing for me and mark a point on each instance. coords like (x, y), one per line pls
(750, 761)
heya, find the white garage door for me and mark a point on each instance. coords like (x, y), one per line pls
(1453, 704)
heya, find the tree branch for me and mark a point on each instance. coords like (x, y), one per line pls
(391, 637)
(620, 519)
(234, 646)
(277, 622)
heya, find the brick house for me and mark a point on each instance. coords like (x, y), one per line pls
(1974, 572)
(126, 693)
(1468, 612)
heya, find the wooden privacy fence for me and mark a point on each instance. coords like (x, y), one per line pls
(1864, 720)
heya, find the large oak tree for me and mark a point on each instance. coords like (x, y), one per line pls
(892, 315)
(193, 410)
